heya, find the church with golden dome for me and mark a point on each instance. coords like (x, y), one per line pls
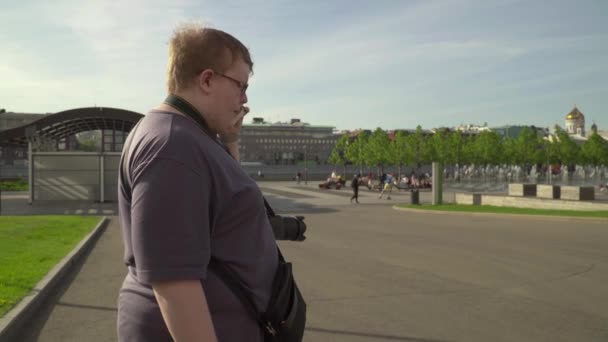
(575, 122)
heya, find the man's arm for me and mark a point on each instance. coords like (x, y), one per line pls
(184, 308)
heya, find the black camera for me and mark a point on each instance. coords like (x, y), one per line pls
(290, 228)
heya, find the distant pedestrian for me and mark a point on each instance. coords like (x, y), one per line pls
(298, 177)
(382, 181)
(355, 185)
(388, 187)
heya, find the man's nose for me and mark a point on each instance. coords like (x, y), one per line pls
(243, 98)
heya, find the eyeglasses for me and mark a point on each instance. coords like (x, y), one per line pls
(242, 86)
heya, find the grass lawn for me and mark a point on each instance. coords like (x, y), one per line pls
(14, 185)
(507, 210)
(30, 246)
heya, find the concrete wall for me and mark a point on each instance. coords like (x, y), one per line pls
(66, 177)
(528, 202)
(467, 198)
(75, 176)
(541, 203)
(111, 176)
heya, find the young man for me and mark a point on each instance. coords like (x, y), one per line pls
(184, 199)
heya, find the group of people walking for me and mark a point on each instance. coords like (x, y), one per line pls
(386, 186)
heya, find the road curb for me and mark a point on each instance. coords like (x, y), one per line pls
(463, 213)
(12, 322)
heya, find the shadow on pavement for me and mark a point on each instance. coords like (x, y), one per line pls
(37, 322)
(384, 337)
(286, 205)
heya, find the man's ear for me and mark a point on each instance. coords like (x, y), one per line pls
(203, 80)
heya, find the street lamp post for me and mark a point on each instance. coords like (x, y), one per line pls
(360, 161)
(1, 185)
(305, 167)
(549, 174)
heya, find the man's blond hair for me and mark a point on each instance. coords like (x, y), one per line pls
(195, 48)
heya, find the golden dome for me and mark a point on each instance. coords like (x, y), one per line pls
(575, 114)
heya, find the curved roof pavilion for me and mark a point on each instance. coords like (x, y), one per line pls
(58, 126)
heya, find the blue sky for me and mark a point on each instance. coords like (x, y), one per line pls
(349, 64)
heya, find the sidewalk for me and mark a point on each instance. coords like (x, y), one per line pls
(84, 309)
(427, 269)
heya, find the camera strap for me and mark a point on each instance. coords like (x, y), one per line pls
(188, 109)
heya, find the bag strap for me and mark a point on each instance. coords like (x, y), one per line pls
(269, 210)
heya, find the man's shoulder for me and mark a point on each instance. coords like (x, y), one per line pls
(170, 136)
(177, 132)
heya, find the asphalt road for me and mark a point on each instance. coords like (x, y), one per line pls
(372, 273)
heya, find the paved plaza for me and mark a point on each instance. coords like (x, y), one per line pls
(372, 273)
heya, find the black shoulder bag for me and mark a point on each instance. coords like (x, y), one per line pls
(284, 319)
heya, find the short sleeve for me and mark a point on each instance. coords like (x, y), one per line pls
(170, 222)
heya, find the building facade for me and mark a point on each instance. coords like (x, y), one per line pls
(286, 143)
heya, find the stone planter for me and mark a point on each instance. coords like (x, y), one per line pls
(468, 199)
(522, 190)
(578, 193)
(548, 191)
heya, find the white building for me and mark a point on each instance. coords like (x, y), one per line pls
(575, 123)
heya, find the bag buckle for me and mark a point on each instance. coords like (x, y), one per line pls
(270, 329)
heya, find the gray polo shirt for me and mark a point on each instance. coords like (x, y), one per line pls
(187, 199)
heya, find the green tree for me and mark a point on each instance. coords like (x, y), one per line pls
(456, 144)
(418, 147)
(354, 150)
(439, 147)
(86, 145)
(376, 151)
(487, 148)
(595, 150)
(399, 149)
(567, 152)
(338, 154)
(509, 147)
(528, 148)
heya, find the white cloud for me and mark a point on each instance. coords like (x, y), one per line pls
(410, 53)
(377, 44)
(109, 53)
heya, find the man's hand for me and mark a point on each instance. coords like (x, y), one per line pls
(232, 133)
